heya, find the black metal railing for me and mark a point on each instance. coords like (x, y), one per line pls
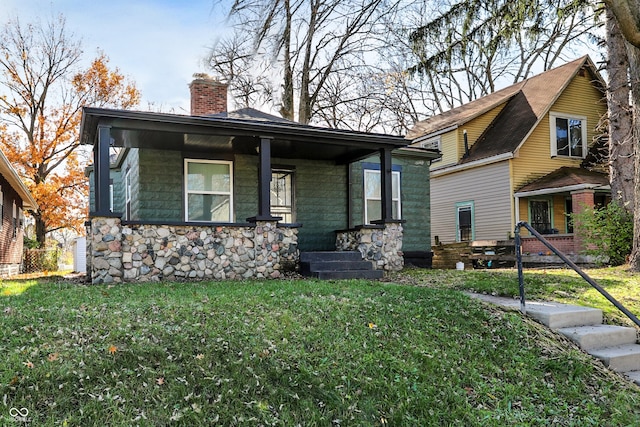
(567, 261)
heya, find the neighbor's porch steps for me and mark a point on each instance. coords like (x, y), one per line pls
(337, 265)
(615, 346)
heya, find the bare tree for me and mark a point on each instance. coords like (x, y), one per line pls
(303, 43)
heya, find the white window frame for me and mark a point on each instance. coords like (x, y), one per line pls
(553, 135)
(127, 195)
(224, 193)
(15, 220)
(287, 212)
(398, 199)
(1, 208)
(470, 205)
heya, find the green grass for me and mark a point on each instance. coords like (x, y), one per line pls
(561, 285)
(292, 352)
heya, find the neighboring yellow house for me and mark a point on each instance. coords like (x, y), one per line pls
(518, 155)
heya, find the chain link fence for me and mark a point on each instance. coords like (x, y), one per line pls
(37, 260)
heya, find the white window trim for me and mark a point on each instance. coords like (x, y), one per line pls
(398, 199)
(1, 208)
(127, 194)
(15, 220)
(472, 208)
(553, 137)
(187, 192)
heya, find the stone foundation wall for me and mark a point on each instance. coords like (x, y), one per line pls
(126, 253)
(382, 245)
(8, 270)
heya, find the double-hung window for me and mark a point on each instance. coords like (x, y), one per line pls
(209, 190)
(373, 195)
(282, 194)
(568, 135)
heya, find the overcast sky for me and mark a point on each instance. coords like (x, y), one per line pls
(159, 44)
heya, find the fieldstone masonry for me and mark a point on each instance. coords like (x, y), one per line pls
(127, 253)
(382, 245)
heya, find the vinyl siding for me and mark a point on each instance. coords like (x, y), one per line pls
(452, 143)
(487, 187)
(534, 157)
(449, 148)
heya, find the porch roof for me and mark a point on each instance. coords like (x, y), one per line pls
(227, 135)
(563, 180)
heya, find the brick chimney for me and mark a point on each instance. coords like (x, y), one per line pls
(208, 96)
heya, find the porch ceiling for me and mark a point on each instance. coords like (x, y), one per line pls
(133, 129)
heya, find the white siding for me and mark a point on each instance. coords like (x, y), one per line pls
(487, 187)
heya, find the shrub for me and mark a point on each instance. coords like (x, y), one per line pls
(607, 231)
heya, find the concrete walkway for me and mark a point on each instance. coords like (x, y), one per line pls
(615, 346)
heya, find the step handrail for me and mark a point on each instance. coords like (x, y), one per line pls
(567, 261)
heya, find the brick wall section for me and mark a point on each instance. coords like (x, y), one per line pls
(208, 96)
(580, 200)
(564, 243)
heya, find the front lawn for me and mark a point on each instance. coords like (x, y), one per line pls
(291, 352)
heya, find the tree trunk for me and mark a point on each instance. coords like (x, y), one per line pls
(634, 75)
(286, 110)
(621, 160)
(41, 229)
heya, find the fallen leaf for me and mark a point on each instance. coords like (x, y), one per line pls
(160, 381)
(52, 357)
(28, 364)
(200, 356)
(112, 349)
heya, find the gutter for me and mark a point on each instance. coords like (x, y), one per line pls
(445, 170)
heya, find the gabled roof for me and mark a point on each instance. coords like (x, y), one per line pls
(525, 104)
(10, 174)
(566, 178)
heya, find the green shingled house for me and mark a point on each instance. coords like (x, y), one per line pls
(244, 194)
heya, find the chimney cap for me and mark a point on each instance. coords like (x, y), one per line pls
(206, 77)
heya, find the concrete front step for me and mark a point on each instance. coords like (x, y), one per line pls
(615, 346)
(599, 336)
(622, 358)
(348, 274)
(556, 315)
(316, 256)
(337, 265)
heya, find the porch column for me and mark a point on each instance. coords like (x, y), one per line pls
(264, 183)
(101, 171)
(386, 188)
(580, 200)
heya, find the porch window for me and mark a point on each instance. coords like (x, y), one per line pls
(373, 192)
(282, 194)
(464, 222)
(209, 190)
(540, 216)
(568, 135)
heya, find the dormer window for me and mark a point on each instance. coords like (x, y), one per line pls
(568, 135)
